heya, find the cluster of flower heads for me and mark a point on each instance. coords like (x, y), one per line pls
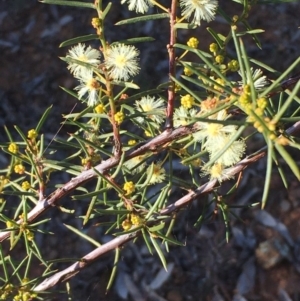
(215, 138)
(120, 62)
(200, 9)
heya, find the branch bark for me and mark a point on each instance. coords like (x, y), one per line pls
(153, 145)
(172, 66)
(120, 240)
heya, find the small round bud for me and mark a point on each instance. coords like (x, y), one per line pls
(96, 22)
(193, 42)
(26, 185)
(129, 187)
(126, 225)
(259, 111)
(187, 71)
(283, 141)
(272, 127)
(119, 117)
(233, 65)
(99, 109)
(262, 102)
(132, 142)
(136, 219)
(260, 129)
(13, 148)
(213, 47)
(187, 101)
(235, 18)
(19, 168)
(219, 59)
(32, 134)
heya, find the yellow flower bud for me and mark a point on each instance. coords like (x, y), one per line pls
(13, 148)
(283, 141)
(96, 22)
(32, 134)
(219, 59)
(119, 117)
(99, 109)
(187, 101)
(272, 127)
(129, 187)
(9, 224)
(193, 42)
(19, 168)
(233, 65)
(177, 88)
(187, 71)
(136, 219)
(126, 225)
(131, 142)
(213, 47)
(259, 111)
(262, 102)
(26, 185)
(148, 134)
(29, 235)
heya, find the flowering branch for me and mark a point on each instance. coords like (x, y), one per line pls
(154, 145)
(200, 132)
(122, 239)
(158, 143)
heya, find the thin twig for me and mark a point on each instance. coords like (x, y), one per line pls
(172, 66)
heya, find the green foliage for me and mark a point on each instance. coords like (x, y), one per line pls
(125, 146)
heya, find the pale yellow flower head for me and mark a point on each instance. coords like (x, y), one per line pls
(85, 55)
(201, 9)
(88, 86)
(122, 61)
(140, 6)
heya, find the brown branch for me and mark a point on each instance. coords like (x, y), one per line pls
(84, 262)
(153, 145)
(172, 66)
(115, 126)
(209, 186)
(120, 240)
(286, 84)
